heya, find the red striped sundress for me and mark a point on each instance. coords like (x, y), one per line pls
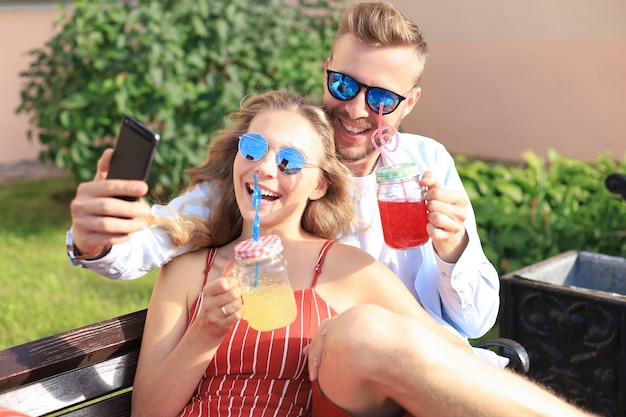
(256, 374)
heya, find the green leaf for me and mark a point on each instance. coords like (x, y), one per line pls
(75, 102)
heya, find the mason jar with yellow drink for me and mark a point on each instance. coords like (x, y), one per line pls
(269, 302)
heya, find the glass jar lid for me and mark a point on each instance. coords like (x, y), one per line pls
(267, 246)
(399, 172)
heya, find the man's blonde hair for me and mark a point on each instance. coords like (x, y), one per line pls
(381, 24)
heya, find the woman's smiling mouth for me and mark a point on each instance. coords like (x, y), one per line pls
(265, 195)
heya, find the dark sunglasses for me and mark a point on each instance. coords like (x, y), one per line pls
(289, 161)
(344, 88)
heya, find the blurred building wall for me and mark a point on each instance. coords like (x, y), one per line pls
(21, 29)
(502, 77)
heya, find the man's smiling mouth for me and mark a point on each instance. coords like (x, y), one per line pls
(353, 130)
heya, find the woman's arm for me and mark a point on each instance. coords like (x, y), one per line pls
(172, 360)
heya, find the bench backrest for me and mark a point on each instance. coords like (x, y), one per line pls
(87, 371)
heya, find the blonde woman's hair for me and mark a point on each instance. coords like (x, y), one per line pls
(330, 217)
(381, 24)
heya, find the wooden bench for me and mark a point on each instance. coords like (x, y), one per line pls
(87, 371)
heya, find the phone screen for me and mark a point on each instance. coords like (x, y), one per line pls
(134, 151)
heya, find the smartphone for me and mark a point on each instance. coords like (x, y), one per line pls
(133, 153)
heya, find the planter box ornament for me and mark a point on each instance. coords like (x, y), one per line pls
(569, 312)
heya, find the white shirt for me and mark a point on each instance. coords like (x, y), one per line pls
(464, 297)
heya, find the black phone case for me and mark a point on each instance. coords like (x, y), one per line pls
(134, 152)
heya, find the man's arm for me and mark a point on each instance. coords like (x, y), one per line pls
(144, 251)
(469, 291)
(108, 234)
(467, 283)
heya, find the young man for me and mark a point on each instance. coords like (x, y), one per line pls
(377, 56)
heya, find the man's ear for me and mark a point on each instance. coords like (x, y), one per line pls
(326, 64)
(319, 191)
(411, 100)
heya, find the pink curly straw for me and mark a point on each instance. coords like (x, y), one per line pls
(388, 140)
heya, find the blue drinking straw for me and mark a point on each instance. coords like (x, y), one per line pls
(256, 203)
(256, 224)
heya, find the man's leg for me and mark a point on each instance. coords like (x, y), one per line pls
(374, 360)
(357, 346)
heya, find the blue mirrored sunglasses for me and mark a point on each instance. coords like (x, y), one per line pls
(289, 161)
(344, 88)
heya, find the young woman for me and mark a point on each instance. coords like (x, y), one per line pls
(198, 356)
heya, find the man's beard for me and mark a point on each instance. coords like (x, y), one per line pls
(349, 155)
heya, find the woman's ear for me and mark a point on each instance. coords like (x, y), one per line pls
(319, 191)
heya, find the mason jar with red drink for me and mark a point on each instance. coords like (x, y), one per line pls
(402, 206)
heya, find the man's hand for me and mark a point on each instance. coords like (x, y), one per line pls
(447, 213)
(99, 219)
(315, 348)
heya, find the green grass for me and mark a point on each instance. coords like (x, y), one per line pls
(41, 294)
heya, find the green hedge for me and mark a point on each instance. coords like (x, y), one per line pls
(177, 65)
(529, 213)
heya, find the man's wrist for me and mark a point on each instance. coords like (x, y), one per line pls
(76, 256)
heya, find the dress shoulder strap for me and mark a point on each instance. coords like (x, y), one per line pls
(195, 307)
(320, 260)
(210, 257)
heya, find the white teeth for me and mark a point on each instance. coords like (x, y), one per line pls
(269, 195)
(265, 194)
(353, 130)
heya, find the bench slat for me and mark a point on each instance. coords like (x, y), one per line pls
(73, 349)
(117, 406)
(73, 388)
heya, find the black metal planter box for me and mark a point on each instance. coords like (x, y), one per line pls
(569, 312)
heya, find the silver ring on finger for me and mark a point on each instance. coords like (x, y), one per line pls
(224, 311)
